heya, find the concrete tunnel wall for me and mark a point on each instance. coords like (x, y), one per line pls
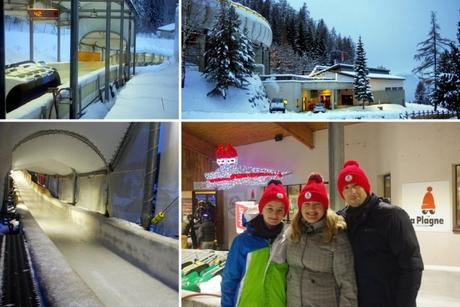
(155, 254)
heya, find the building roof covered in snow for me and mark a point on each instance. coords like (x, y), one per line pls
(168, 28)
(348, 70)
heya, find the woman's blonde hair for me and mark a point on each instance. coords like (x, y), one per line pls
(334, 223)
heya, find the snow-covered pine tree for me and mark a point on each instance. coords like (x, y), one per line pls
(247, 53)
(240, 59)
(420, 93)
(361, 86)
(428, 53)
(224, 52)
(448, 90)
(320, 53)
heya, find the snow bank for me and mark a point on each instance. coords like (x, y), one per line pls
(245, 101)
(150, 43)
(151, 94)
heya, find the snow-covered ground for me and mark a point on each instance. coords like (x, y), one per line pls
(115, 281)
(238, 105)
(151, 94)
(196, 104)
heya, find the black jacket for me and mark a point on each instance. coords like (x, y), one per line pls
(387, 256)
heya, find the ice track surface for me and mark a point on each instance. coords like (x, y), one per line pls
(115, 281)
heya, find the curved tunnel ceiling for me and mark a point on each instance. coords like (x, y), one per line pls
(61, 149)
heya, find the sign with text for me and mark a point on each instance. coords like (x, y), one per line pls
(40, 13)
(240, 208)
(429, 205)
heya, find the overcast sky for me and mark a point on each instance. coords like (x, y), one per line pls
(390, 29)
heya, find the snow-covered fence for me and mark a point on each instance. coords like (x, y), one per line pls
(144, 58)
(426, 114)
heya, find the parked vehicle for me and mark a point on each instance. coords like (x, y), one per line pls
(319, 107)
(278, 104)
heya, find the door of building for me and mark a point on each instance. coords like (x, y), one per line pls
(326, 99)
(347, 100)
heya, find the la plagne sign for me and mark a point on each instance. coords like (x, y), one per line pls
(428, 205)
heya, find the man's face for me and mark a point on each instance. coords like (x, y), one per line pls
(354, 194)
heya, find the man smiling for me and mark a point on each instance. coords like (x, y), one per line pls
(387, 256)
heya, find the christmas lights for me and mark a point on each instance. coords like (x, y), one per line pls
(230, 174)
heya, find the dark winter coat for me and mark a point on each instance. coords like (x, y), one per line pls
(387, 256)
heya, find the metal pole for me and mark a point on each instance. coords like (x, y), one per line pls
(122, 21)
(150, 172)
(31, 39)
(129, 45)
(336, 159)
(135, 33)
(2, 62)
(107, 49)
(74, 194)
(74, 21)
(59, 33)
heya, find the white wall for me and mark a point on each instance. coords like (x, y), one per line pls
(381, 84)
(285, 89)
(410, 152)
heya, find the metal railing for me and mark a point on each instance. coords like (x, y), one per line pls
(428, 115)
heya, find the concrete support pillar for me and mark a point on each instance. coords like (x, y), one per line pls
(333, 99)
(336, 160)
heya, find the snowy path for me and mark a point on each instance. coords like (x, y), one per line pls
(151, 94)
(115, 281)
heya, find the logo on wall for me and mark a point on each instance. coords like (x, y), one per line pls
(428, 210)
(429, 205)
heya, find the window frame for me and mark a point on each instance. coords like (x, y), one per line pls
(456, 198)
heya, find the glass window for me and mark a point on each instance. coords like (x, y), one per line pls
(387, 186)
(293, 193)
(456, 221)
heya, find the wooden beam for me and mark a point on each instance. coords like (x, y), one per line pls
(301, 131)
(195, 144)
